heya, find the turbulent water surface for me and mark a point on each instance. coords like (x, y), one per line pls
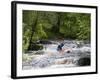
(50, 57)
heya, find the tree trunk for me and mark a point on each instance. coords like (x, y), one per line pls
(32, 32)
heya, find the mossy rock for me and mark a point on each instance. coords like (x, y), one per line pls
(45, 42)
(36, 47)
(39, 52)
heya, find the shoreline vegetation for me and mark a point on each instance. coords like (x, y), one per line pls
(45, 25)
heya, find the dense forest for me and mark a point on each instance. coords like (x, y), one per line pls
(46, 25)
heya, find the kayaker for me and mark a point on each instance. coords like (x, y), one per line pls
(60, 46)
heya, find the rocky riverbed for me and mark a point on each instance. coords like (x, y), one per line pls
(74, 54)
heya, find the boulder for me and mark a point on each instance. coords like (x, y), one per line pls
(36, 47)
(45, 42)
(84, 61)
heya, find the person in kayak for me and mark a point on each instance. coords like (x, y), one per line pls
(59, 48)
(62, 50)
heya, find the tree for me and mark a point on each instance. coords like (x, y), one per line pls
(38, 25)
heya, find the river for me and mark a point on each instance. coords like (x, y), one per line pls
(73, 52)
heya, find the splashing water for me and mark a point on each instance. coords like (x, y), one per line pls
(53, 58)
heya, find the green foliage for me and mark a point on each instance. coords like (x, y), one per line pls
(40, 31)
(84, 27)
(38, 25)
